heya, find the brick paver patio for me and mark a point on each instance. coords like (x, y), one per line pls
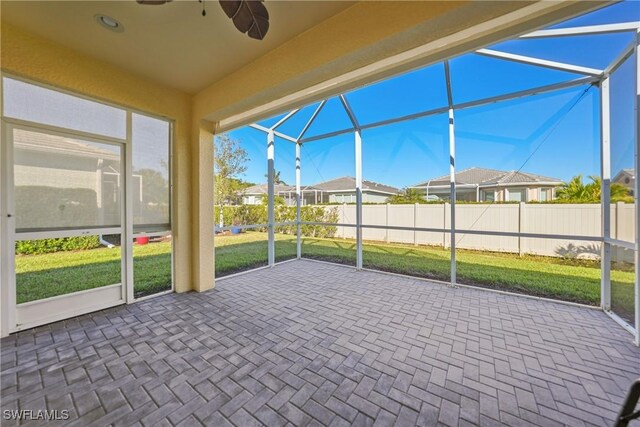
(309, 343)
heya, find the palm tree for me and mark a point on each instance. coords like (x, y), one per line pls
(408, 195)
(573, 190)
(577, 191)
(276, 178)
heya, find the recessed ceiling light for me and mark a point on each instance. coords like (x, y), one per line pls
(109, 23)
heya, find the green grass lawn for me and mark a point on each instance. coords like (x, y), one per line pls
(42, 276)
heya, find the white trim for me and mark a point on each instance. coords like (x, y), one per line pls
(68, 133)
(284, 119)
(636, 124)
(627, 52)
(620, 321)
(56, 234)
(126, 240)
(620, 243)
(45, 311)
(7, 241)
(358, 170)
(270, 195)
(540, 62)
(452, 176)
(313, 117)
(298, 203)
(605, 191)
(585, 30)
(275, 132)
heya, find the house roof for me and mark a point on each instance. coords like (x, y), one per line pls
(348, 183)
(262, 188)
(53, 144)
(629, 172)
(345, 183)
(490, 177)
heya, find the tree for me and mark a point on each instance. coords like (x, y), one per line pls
(577, 191)
(229, 162)
(408, 195)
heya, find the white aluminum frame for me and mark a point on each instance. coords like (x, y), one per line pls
(605, 206)
(591, 76)
(34, 313)
(637, 187)
(82, 301)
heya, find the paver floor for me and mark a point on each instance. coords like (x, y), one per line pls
(308, 343)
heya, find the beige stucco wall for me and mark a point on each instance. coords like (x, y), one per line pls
(33, 57)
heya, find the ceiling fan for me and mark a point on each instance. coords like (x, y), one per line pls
(249, 16)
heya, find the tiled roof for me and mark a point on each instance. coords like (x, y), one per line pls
(262, 188)
(487, 177)
(53, 144)
(345, 183)
(348, 183)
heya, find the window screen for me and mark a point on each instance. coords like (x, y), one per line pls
(150, 178)
(38, 104)
(65, 183)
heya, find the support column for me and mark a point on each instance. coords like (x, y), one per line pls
(605, 199)
(271, 245)
(298, 205)
(358, 160)
(636, 191)
(452, 172)
(202, 220)
(126, 238)
(452, 184)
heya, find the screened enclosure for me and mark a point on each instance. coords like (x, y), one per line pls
(511, 168)
(86, 187)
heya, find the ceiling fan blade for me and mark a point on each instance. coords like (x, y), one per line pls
(249, 16)
(152, 2)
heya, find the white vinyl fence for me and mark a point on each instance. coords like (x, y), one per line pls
(558, 219)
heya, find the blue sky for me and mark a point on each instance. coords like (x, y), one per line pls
(554, 134)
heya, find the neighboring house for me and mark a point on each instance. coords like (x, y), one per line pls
(256, 193)
(338, 190)
(343, 190)
(82, 177)
(626, 177)
(77, 182)
(479, 184)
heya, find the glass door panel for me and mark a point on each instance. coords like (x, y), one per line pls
(67, 195)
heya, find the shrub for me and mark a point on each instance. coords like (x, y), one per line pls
(257, 214)
(46, 246)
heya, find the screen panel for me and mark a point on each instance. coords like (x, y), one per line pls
(150, 178)
(38, 104)
(65, 183)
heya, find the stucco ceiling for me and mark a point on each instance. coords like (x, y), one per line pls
(172, 44)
